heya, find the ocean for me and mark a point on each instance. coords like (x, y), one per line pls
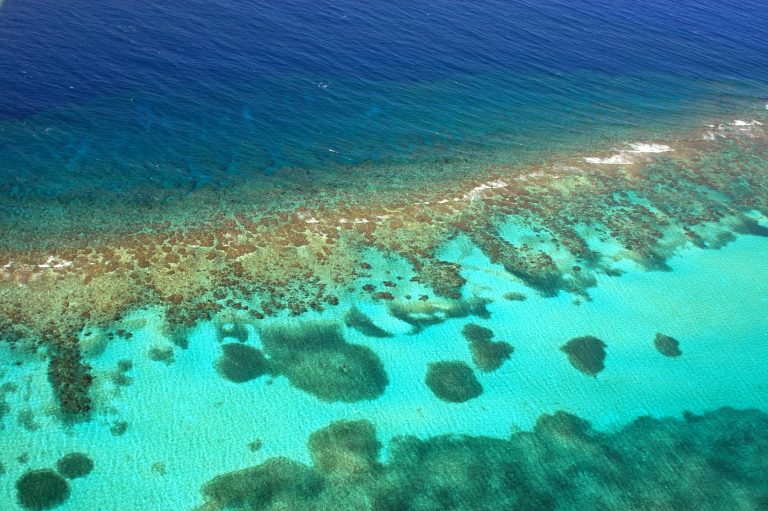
(383, 255)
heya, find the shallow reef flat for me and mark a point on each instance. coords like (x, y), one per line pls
(301, 247)
(561, 464)
(582, 332)
(644, 431)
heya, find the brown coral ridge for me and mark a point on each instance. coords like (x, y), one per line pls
(562, 464)
(487, 355)
(70, 378)
(299, 253)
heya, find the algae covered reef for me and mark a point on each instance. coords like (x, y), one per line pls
(308, 245)
(391, 335)
(713, 461)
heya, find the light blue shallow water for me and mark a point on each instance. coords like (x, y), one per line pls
(185, 424)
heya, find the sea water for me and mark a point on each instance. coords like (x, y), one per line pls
(498, 255)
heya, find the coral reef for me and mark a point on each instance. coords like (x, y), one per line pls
(70, 378)
(278, 483)
(514, 296)
(315, 358)
(293, 244)
(476, 333)
(74, 465)
(41, 489)
(709, 462)
(348, 447)
(587, 354)
(452, 381)
(5, 388)
(240, 363)
(118, 428)
(363, 324)
(26, 419)
(119, 375)
(487, 355)
(666, 345)
(162, 354)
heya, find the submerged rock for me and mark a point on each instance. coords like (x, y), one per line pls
(231, 327)
(423, 314)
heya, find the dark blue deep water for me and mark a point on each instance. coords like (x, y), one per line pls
(115, 95)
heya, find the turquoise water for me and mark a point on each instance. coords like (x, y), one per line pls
(200, 425)
(497, 255)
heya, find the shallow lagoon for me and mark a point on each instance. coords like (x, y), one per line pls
(179, 411)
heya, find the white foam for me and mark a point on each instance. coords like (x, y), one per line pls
(739, 122)
(53, 262)
(479, 191)
(650, 148)
(616, 159)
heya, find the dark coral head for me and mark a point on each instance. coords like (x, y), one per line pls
(667, 346)
(345, 447)
(74, 465)
(452, 381)
(240, 363)
(474, 332)
(587, 354)
(41, 489)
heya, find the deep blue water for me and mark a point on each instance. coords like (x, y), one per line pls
(112, 95)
